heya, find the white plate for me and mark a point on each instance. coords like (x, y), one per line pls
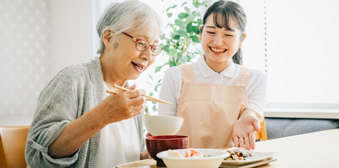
(147, 163)
(250, 165)
(256, 157)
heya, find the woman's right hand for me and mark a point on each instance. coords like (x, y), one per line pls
(244, 130)
(123, 105)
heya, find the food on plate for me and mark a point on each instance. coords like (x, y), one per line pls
(237, 154)
(194, 153)
(190, 153)
(172, 153)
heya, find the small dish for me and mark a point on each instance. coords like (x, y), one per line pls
(256, 157)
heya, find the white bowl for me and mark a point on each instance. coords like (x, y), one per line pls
(162, 124)
(214, 160)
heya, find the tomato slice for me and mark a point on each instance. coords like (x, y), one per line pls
(193, 153)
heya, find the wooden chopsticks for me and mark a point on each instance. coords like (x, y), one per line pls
(148, 98)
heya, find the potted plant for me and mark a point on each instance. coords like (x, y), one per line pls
(181, 34)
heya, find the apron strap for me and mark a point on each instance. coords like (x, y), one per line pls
(244, 76)
(187, 73)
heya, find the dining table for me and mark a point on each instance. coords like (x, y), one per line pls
(310, 150)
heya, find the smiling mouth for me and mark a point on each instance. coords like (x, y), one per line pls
(138, 67)
(218, 50)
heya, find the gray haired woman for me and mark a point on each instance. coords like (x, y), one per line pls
(76, 123)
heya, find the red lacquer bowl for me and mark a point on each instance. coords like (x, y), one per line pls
(156, 144)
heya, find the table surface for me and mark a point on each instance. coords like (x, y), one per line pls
(317, 149)
(311, 150)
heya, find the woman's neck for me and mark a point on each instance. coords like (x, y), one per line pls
(218, 66)
(110, 75)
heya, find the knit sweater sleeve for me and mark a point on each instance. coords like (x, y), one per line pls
(57, 106)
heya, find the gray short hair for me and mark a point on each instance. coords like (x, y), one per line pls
(127, 15)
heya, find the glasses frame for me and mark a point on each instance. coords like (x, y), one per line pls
(154, 48)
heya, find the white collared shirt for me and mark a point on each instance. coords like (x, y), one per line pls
(172, 83)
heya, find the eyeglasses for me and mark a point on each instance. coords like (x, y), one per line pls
(143, 45)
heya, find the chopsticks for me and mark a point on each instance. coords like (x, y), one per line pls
(148, 98)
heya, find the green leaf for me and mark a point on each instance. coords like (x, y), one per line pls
(196, 3)
(166, 48)
(172, 52)
(182, 15)
(158, 68)
(195, 39)
(172, 64)
(169, 14)
(196, 13)
(155, 108)
(196, 29)
(157, 86)
(176, 37)
(179, 62)
(178, 22)
(171, 7)
(163, 36)
(183, 33)
(166, 63)
(150, 76)
(189, 28)
(199, 22)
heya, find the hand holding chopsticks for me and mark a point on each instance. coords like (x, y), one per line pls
(148, 98)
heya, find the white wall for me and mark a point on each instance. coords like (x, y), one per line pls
(70, 33)
(37, 39)
(23, 61)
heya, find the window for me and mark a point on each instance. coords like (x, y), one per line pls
(301, 53)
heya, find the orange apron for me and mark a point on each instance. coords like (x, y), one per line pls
(210, 110)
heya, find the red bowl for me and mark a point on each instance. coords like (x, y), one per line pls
(156, 144)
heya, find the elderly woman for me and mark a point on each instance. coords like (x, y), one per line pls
(76, 123)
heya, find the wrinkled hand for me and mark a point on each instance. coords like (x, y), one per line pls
(123, 105)
(244, 132)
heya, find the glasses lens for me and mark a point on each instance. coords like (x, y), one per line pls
(142, 45)
(156, 50)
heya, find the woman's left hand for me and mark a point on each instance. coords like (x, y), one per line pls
(244, 130)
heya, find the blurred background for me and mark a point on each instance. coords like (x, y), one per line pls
(294, 42)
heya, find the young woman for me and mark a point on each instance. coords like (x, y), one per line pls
(220, 100)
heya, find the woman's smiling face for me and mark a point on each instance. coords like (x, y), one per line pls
(121, 60)
(132, 61)
(220, 44)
